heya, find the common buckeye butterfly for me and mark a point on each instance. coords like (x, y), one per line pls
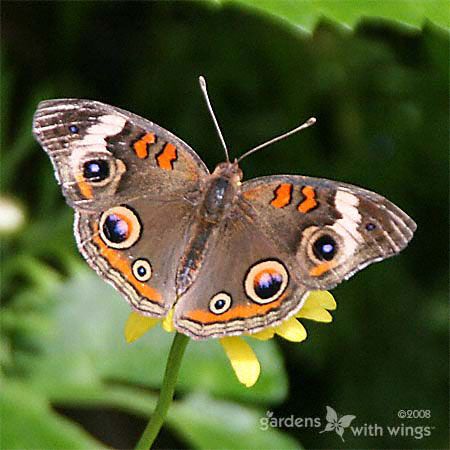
(230, 257)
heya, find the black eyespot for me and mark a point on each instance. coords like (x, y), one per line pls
(370, 226)
(116, 229)
(120, 228)
(266, 281)
(325, 248)
(73, 129)
(142, 270)
(220, 303)
(267, 284)
(96, 170)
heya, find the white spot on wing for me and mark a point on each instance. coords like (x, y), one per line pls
(347, 204)
(94, 140)
(108, 125)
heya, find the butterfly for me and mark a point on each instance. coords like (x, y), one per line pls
(229, 257)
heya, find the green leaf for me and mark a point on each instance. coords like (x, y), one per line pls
(206, 368)
(86, 346)
(305, 14)
(27, 420)
(199, 420)
(208, 423)
(133, 400)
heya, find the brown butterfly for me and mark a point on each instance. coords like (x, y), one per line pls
(230, 257)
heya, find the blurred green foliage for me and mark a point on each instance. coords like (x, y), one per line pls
(380, 93)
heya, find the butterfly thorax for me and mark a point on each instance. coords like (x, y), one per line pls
(220, 192)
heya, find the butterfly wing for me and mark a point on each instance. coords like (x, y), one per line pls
(141, 266)
(132, 185)
(328, 230)
(287, 235)
(245, 285)
(104, 155)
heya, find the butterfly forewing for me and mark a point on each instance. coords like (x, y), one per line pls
(331, 229)
(104, 155)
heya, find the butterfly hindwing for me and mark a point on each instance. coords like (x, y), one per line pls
(243, 285)
(132, 185)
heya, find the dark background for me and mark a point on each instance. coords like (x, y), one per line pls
(380, 94)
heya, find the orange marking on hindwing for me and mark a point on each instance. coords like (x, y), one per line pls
(166, 157)
(140, 147)
(84, 187)
(321, 268)
(282, 195)
(238, 312)
(121, 264)
(310, 202)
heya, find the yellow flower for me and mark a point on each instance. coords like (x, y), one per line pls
(243, 360)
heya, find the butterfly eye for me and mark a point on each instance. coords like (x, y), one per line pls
(142, 270)
(119, 227)
(325, 248)
(220, 303)
(73, 129)
(96, 170)
(266, 281)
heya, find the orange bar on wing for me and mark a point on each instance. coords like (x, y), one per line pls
(309, 202)
(238, 312)
(320, 269)
(84, 187)
(166, 157)
(283, 195)
(141, 146)
(120, 263)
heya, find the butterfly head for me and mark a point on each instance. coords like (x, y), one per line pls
(229, 170)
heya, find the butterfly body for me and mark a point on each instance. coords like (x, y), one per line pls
(229, 257)
(219, 196)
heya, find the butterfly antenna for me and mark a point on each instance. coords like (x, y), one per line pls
(216, 124)
(308, 123)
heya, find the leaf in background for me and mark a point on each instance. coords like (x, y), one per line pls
(213, 424)
(86, 346)
(305, 14)
(22, 142)
(27, 420)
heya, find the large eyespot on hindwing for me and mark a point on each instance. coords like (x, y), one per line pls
(142, 269)
(266, 281)
(220, 303)
(120, 227)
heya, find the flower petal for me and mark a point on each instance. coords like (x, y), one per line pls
(167, 322)
(137, 325)
(321, 298)
(264, 335)
(317, 314)
(292, 330)
(243, 360)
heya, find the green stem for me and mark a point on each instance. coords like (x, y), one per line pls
(166, 395)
